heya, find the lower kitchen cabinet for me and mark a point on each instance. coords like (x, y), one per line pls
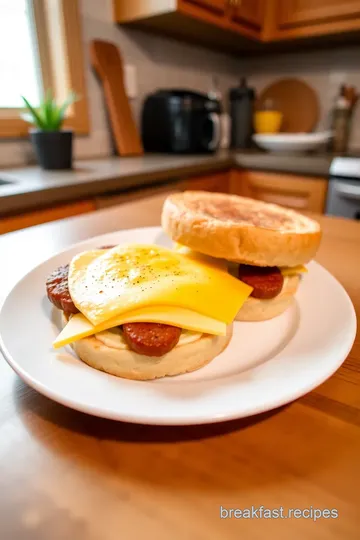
(217, 182)
(297, 192)
(44, 215)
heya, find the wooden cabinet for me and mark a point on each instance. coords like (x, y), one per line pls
(242, 16)
(44, 215)
(212, 181)
(217, 182)
(249, 12)
(297, 192)
(214, 23)
(302, 18)
(223, 24)
(215, 6)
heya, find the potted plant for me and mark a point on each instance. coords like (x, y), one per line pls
(53, 146)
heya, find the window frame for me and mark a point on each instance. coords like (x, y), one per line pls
(11, 125)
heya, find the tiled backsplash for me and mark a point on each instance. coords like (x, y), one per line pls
(162, 62)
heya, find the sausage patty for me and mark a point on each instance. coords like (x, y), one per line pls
(57, 288)
(266, 281)
(151, 339)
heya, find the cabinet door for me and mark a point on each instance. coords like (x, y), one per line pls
(44, 215)
(216, 6)
(249, 12)
(297, 192)
(300, 12)
(217, 182)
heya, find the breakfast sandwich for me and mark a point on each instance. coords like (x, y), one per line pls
(143, 311)
(264, 245)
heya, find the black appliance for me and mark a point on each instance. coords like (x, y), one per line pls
(343, 197)
(180, 121)
(241, 113)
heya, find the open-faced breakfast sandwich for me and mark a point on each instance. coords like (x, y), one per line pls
(265, 245)
(143, 311)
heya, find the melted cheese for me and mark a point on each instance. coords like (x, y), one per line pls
(221, 264)
(79, 327)
(106, 284)
(293, 270)
(230, 266)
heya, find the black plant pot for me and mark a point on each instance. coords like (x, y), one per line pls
(53, 148)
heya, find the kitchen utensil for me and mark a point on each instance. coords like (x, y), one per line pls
(342, 118)
(241, 112)
(296, 100)
(292, 142)
(224, 118)
(106, 60)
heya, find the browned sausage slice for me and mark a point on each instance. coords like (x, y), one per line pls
(57, 288)
(267, 281)
(151, 339)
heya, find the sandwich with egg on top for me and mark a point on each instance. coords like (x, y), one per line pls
(143, 311)
(263, 245)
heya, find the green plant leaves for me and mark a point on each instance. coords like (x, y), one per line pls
(49, 116)
(33, 115)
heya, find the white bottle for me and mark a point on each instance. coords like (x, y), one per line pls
(224, 117)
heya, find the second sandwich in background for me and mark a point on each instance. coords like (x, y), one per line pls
(265, 245)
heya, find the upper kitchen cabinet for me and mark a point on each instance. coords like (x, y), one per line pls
(215, 6)
(248, 12)
(244, 25)
(291, 19)
(243, 16)
(229, 25)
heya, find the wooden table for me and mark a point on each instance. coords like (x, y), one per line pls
(66, 475)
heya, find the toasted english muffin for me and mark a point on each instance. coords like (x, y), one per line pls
(240, 229)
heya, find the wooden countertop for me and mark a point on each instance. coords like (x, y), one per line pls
(66, 475)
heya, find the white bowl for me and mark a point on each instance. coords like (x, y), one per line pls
(291, 142)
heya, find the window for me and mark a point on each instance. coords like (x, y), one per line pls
(19, 70)
(31, 62)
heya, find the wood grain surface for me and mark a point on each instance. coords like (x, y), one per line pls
(297, 101)
(67, 475)
(106, 60)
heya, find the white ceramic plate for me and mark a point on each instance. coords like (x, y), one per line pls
(291, 142)
(266, 365)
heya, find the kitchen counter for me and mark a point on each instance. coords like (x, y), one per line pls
(30, 187)
(65, 474)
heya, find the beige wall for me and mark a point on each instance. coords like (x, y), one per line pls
(162, 62)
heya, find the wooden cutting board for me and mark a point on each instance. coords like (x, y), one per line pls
(297, 101)
(106, 60)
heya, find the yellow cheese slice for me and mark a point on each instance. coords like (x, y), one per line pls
(229, 266)
(130, 277)
(291, 271)
(221, 264)
(79, 327)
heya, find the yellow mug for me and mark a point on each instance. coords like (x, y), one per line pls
(267, 121)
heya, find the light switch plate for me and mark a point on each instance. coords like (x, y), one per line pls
(130, 81)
